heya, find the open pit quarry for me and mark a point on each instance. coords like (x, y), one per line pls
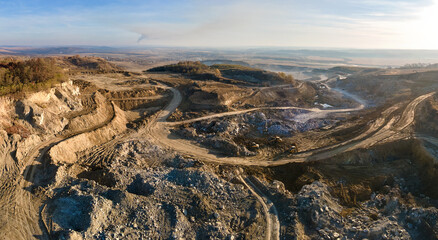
(163, 155)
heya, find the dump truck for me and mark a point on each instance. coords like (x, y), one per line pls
(293, 148)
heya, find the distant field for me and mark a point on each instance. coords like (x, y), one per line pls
(325, 58)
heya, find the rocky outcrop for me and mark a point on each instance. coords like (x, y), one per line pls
(33, 119)
(185, 201)
(46, 110)
(384, 216)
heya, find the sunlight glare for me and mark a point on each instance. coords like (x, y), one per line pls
(422, 32)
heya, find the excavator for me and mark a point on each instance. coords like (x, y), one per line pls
(275, 140)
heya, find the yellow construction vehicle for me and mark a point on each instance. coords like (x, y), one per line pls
(255, 145)
(293, 148)
(275, 140)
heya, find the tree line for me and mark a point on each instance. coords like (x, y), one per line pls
(28, 75)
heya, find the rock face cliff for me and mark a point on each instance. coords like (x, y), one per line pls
(28, 127)
(27, 122)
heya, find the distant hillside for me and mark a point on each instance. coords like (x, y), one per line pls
(351, 69)
(32, 51)
(195, 70)
(224, 61)
(225, 72)
(88, 64)
(253, 75)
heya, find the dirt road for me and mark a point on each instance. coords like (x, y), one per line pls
(273, 213)
(158, 131)
(271, 217)
(320, 112)
(139, 98)
(312, 112)
(19, 206)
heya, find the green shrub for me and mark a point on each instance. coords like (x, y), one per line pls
(187, 67)
(30, 75)
(196, 70)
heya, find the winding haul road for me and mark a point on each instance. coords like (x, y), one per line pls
(158, 130)
(20, 208)
(271, 217)
(385, 127)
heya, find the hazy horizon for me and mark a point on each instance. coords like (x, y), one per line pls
(242, 47)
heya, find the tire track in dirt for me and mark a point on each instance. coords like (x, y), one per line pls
(158, 131)
(271, 219)
(23, 222)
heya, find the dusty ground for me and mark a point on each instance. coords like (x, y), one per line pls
(162, 156)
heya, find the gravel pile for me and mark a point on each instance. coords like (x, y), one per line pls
(181, 198)
(382, 217)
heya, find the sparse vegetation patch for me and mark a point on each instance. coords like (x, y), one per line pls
(29, 75)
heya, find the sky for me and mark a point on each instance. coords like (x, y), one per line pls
(368, 24)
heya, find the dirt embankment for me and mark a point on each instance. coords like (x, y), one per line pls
(429, 168)
(33, 119)
(353, 176)
(375, 86)
(427, 117)
(142, 103)
(103, 110)
(139, 98)
(366, 190)
(201, 97)
(135, 93)
(211, 95)
(65, 152)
